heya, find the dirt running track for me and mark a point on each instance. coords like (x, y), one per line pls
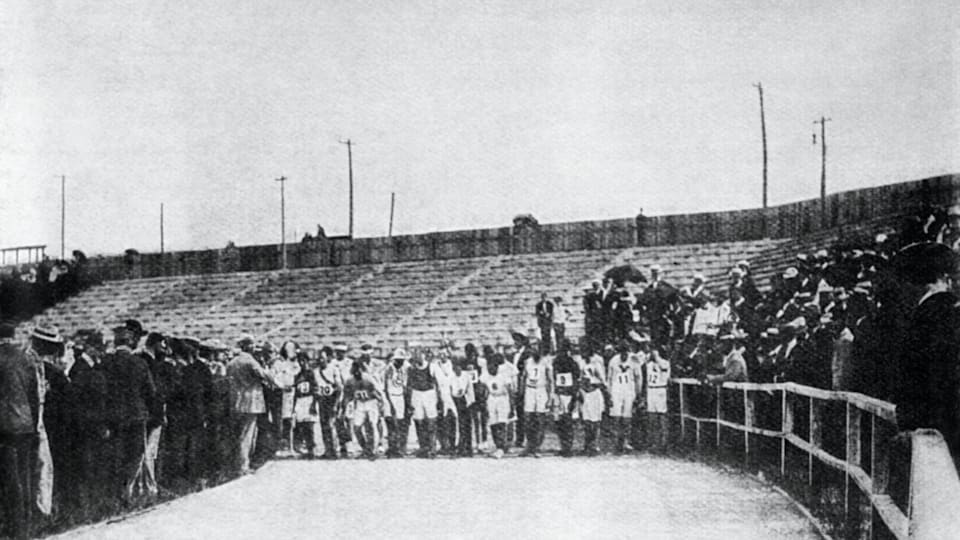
(628, 497)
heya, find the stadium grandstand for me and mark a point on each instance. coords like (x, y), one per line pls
(825, 431)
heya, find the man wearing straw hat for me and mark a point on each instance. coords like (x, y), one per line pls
(246, 382)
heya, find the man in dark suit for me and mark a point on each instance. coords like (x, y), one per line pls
(592, 313)
(19, 409)
(165, 376)
(544, 312)
(660, 300)
(130, 398)
(926, 396)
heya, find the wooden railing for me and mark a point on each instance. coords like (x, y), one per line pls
(869, 474)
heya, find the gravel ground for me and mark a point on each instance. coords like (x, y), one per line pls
(624, 497)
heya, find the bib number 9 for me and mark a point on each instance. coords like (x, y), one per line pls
(564, 379)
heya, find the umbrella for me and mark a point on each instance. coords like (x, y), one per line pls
(624, 273)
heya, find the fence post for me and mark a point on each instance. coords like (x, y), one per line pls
(719, 415)
(786, 428)
(748, 423)
(853, 451)
(683, 414)
(815, 431)
(879, 462)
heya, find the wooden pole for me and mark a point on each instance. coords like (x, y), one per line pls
(393, 200)
(283, 223)
(63, 216)
(763, 134)
(161, 228)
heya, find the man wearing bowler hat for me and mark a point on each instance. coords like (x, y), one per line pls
(130, 397)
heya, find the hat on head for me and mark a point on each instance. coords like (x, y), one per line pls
(656, 268)
(8, 329)
(46, 333)
(791, 272)
(399, 354)
(213, 345)
(135, 327)
(744, 263)
(821, 254)
(638, 337)
(340, 347)
(700, 276)
(245, 339)
(734, 334)
(736, 271)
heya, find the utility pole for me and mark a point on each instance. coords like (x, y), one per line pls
(823, 167)
(161, 228)
(763, 134)
(350, 144)
(283, 222)
(63, 216)
(393, 200)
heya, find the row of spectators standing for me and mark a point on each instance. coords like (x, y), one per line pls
(26, 290)
(873, 315)
(88, 428)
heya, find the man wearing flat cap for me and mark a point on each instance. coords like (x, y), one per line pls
(247, 378)
(130, 398)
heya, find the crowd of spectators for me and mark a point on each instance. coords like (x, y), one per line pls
(26, 290)
(91, 426)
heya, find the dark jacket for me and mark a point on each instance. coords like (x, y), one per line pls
(189, 407)
(928, 379)
(19, 398)
(88, 396)
(131, 390)
(544, 311)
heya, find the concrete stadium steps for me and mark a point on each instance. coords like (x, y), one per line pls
(232, 320)
(363, 312)
(171, 311)
(303, 286)
(478, 299)
(281, 297)
(502, 297)
(103, 304)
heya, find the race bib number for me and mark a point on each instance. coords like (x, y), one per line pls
(564, 380)
(361, 395)
(473, 376)
(326, 390)
(303, 388)
(655, 375)
(623, 378)
(533, 376)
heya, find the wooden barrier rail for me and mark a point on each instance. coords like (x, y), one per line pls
(882, 419)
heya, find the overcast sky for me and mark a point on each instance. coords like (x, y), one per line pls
(472, 112)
